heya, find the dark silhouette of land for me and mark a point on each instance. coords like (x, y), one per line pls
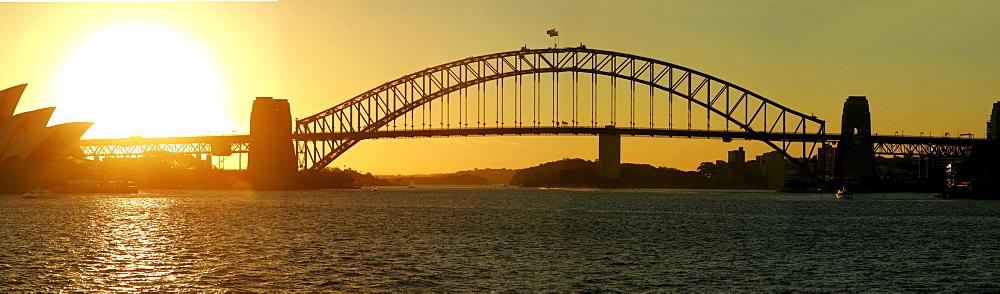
(489, 176)
(579, 173)
(157, 170)
(164, 170)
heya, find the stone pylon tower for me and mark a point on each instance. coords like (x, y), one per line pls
(855, 162)
(273, 161)
(609, 158)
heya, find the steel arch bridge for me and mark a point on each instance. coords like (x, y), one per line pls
(558, 90)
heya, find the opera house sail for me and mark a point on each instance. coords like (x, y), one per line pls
(31, 152)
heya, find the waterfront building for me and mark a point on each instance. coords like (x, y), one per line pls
(28, 144)
(772, 166)
(737, 156)
(26, 136)
(993, 125)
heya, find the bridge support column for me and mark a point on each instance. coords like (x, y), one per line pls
(855, 164)
(609, 158)
(273, 162)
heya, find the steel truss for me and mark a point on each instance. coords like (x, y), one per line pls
(441, 97)
(214, 145)
(887, 148)
(180, 148)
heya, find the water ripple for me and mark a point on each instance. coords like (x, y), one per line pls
(495, 239)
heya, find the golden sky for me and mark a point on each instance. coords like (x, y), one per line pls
(926, 66)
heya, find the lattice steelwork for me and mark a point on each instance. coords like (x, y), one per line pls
(887, 148)
(215, 145)
(564, 87)
(181, 148)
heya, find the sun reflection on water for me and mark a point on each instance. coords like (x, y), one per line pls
(132, 241)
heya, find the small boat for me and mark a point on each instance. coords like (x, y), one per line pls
(412, 185)
(39, 193)
(843, 193)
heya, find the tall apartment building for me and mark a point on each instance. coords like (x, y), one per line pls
(737, 156)
(993, 125)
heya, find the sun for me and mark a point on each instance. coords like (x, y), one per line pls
(141, 78)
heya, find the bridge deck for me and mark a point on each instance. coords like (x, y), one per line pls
(528, 131)
(132, 141)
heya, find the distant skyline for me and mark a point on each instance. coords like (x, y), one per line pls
(166, 68)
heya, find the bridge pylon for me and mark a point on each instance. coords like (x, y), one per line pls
(273, 160)
(609, 157)
(855, 157)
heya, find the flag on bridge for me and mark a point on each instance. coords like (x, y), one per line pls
(552, 33)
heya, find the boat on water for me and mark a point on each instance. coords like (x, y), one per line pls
(843, 193)
(412, 185)
(39, 193)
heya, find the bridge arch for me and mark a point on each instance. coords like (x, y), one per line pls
(396, 102)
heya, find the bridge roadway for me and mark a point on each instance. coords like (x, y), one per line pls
(226, 145)
(133, 146)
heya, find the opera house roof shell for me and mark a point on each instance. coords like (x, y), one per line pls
(26, 136)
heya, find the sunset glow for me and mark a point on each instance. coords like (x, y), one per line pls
(147, 76)
(469, 146)
(194, 68)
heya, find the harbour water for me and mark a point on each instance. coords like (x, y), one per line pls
(498, 239)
